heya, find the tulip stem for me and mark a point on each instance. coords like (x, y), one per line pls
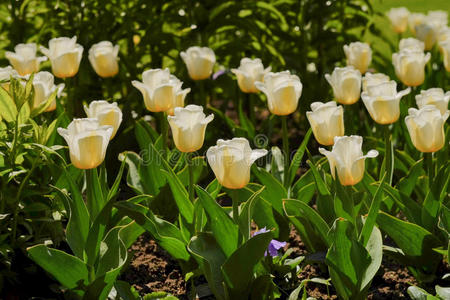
(388, 155)
(286, 151)
(428, 158)
(191, 177)
(235, 205)
(164, 134)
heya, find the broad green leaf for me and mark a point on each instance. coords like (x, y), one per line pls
(416, 293)
(274, 192)
(298, 156)
(95, 198)
(145, 134)
(246, 214)
(181, 196)
(8, 109)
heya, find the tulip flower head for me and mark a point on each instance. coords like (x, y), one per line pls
(199, 61)
(347, 159)
(87, 141)
(188, 127)
(106, 113)
(415, 19)
(410, 66)
(359, 55)
(161, 90)
(250, 71)
(282, 90)
(24, 59)
(346, 84)
(399, 18)
(426, 128)
(103, 57)
(437, 18)
(411, 44)
(435, 97)
(231, 160)
(5, 76)
(44, 86)
(65, 55)
(427, 34)
(383, 101)
(445, 50)
(327, 121)
(373, 79)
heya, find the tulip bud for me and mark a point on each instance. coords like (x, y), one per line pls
(282, 90)
(411, 44)
(435, 97)
(347, 159)
(44, 86)
(383, 102)
(231, 160)
(161, 90)
(346, 84)
(87, 142)
(250, 71)
(65, 55)
(426, 128)
(199, 61)
(359, 55)
(399, 18)
(188, 127)
(24, 59)
(103, 57)
(5, 75)
(415, 19)
(106, 113)
(445, 50)
(327, 121)
(373, 79)
(427, 34)
(410, 66)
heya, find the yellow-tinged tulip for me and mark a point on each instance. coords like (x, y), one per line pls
(103, 57)
(199, 61)
(250, 71)
(106, 113)
(445, 50)
(44, 86)
(5, 75)
(161, 90)
(359, 55)
(435, 97)
(410, 66)
(231, 160)
(327, 121)
(443, 34)
(426, 128)
(24, 59)
(65, 55)
(188, 127)
(346, 84)
(347, 159)
(87, 141)
(383, 102)
(373, 79)
(427, 34)
(411, 44)
(282, 90)
(415, 19)
(399, 18)
(437, 18)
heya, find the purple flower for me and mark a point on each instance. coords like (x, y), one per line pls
(217, 74)
(274, 245)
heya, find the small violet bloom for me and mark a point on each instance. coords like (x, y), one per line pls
(274, 245)
(218, 74)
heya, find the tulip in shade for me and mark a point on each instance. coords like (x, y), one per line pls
(106, 113)
(383, 101)
(445, 50)
(283, 91)
(87, 141)
(231, 160)
(359, 55)
(250, 71)
(415, 19)
(346, 84)
(161, 90)
(188, 127)
(65, 55)
(373, 79)
(103, 57)
(411, 44)
(199, 61)
(274, 245)
(427, 34)
(426, 128)
(399, 18)
(435, 97)
(410, 66)
(347, 159)
(327, 121)
(24, 59)
(44, 86)
(437, 18)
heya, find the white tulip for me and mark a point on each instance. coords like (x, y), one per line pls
(346, 84)
(415, 19)
(5, 76)
(65, 55)
(359, 55)
(347, 159)
(411, 44)
(282, 90)
(106, 113)
(188, 127)
(327, 121)
(199, 61)
(437, 18)
(231, 160)
(427, 34)
(410, 66)
(44, 86)
(445, 50)
(443, 34)
(24, 59)
(399, 18)
(426, 128)
(87, 142)
(373, 79)
(434, 96)
(161, 90)
(250, 71)
(103, 57)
